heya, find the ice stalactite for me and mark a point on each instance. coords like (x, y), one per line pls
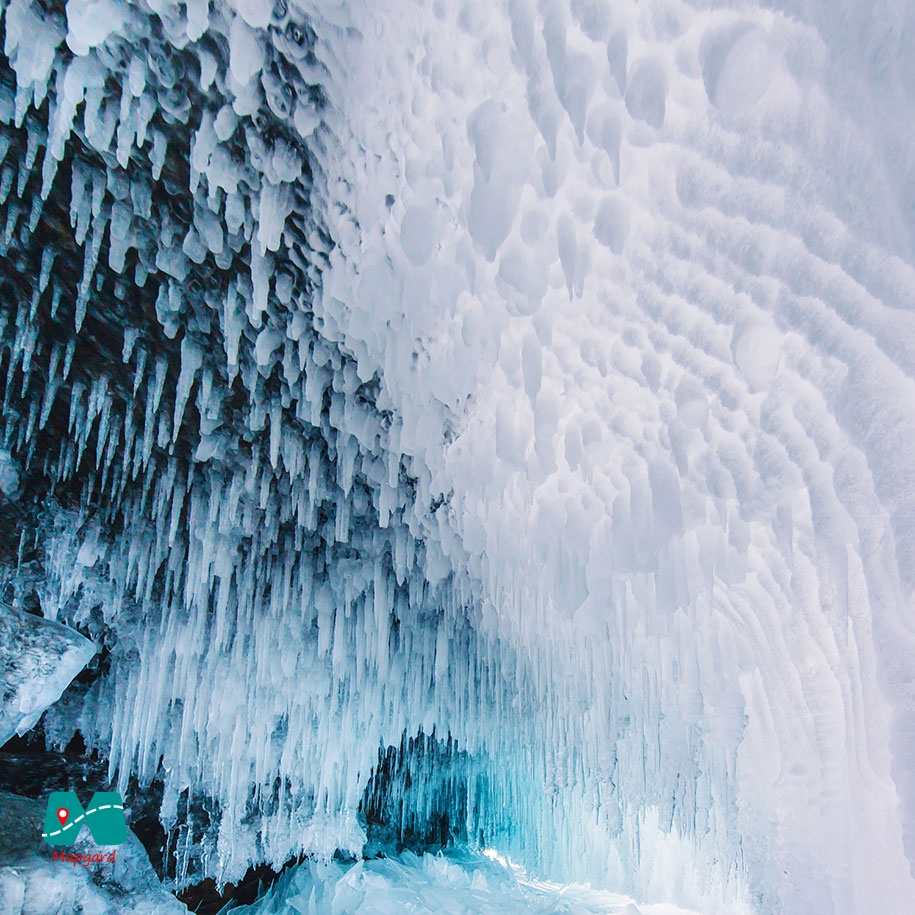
(233, 522)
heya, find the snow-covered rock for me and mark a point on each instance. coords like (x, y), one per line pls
(38, 659)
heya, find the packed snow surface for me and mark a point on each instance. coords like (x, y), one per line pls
(537, 373)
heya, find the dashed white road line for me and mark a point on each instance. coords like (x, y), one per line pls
(57, 832)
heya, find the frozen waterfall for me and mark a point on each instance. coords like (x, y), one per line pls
(474, 425)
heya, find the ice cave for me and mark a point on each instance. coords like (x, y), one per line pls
(458, 456)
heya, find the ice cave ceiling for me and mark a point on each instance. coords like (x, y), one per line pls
(477, 422)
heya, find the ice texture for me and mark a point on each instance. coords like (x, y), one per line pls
(38, 659)
(455, 884)
(536, 375)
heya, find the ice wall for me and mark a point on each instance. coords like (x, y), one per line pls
(684, 298)
(537, 372)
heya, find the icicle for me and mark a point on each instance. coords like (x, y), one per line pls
(91, 259)
(231, 330)
(120, 235)
(25, 166)
(76, 393)
(191, 360)
(276, 430)
(71, 89)
(48, 173)
(56, 294)
(30, 426)
(27, 345)
(104, 427)
(158, 383)
(261, 271)
(157, 154)
(52, 385)
(47, 260)
(126, 126)
(68, 358)
(6, 183)
(34, 217)
(139, 372)
(80, 207)
(12, 217)
(131, 335)
(33, 304)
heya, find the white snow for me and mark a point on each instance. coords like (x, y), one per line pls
(611, 224)
(738, 67)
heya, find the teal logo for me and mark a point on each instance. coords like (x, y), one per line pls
(65, 818)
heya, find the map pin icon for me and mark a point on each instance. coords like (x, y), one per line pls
(62, 815)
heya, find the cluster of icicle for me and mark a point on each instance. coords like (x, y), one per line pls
(234, 525)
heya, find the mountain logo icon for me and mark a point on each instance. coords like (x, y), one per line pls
(65, 818)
